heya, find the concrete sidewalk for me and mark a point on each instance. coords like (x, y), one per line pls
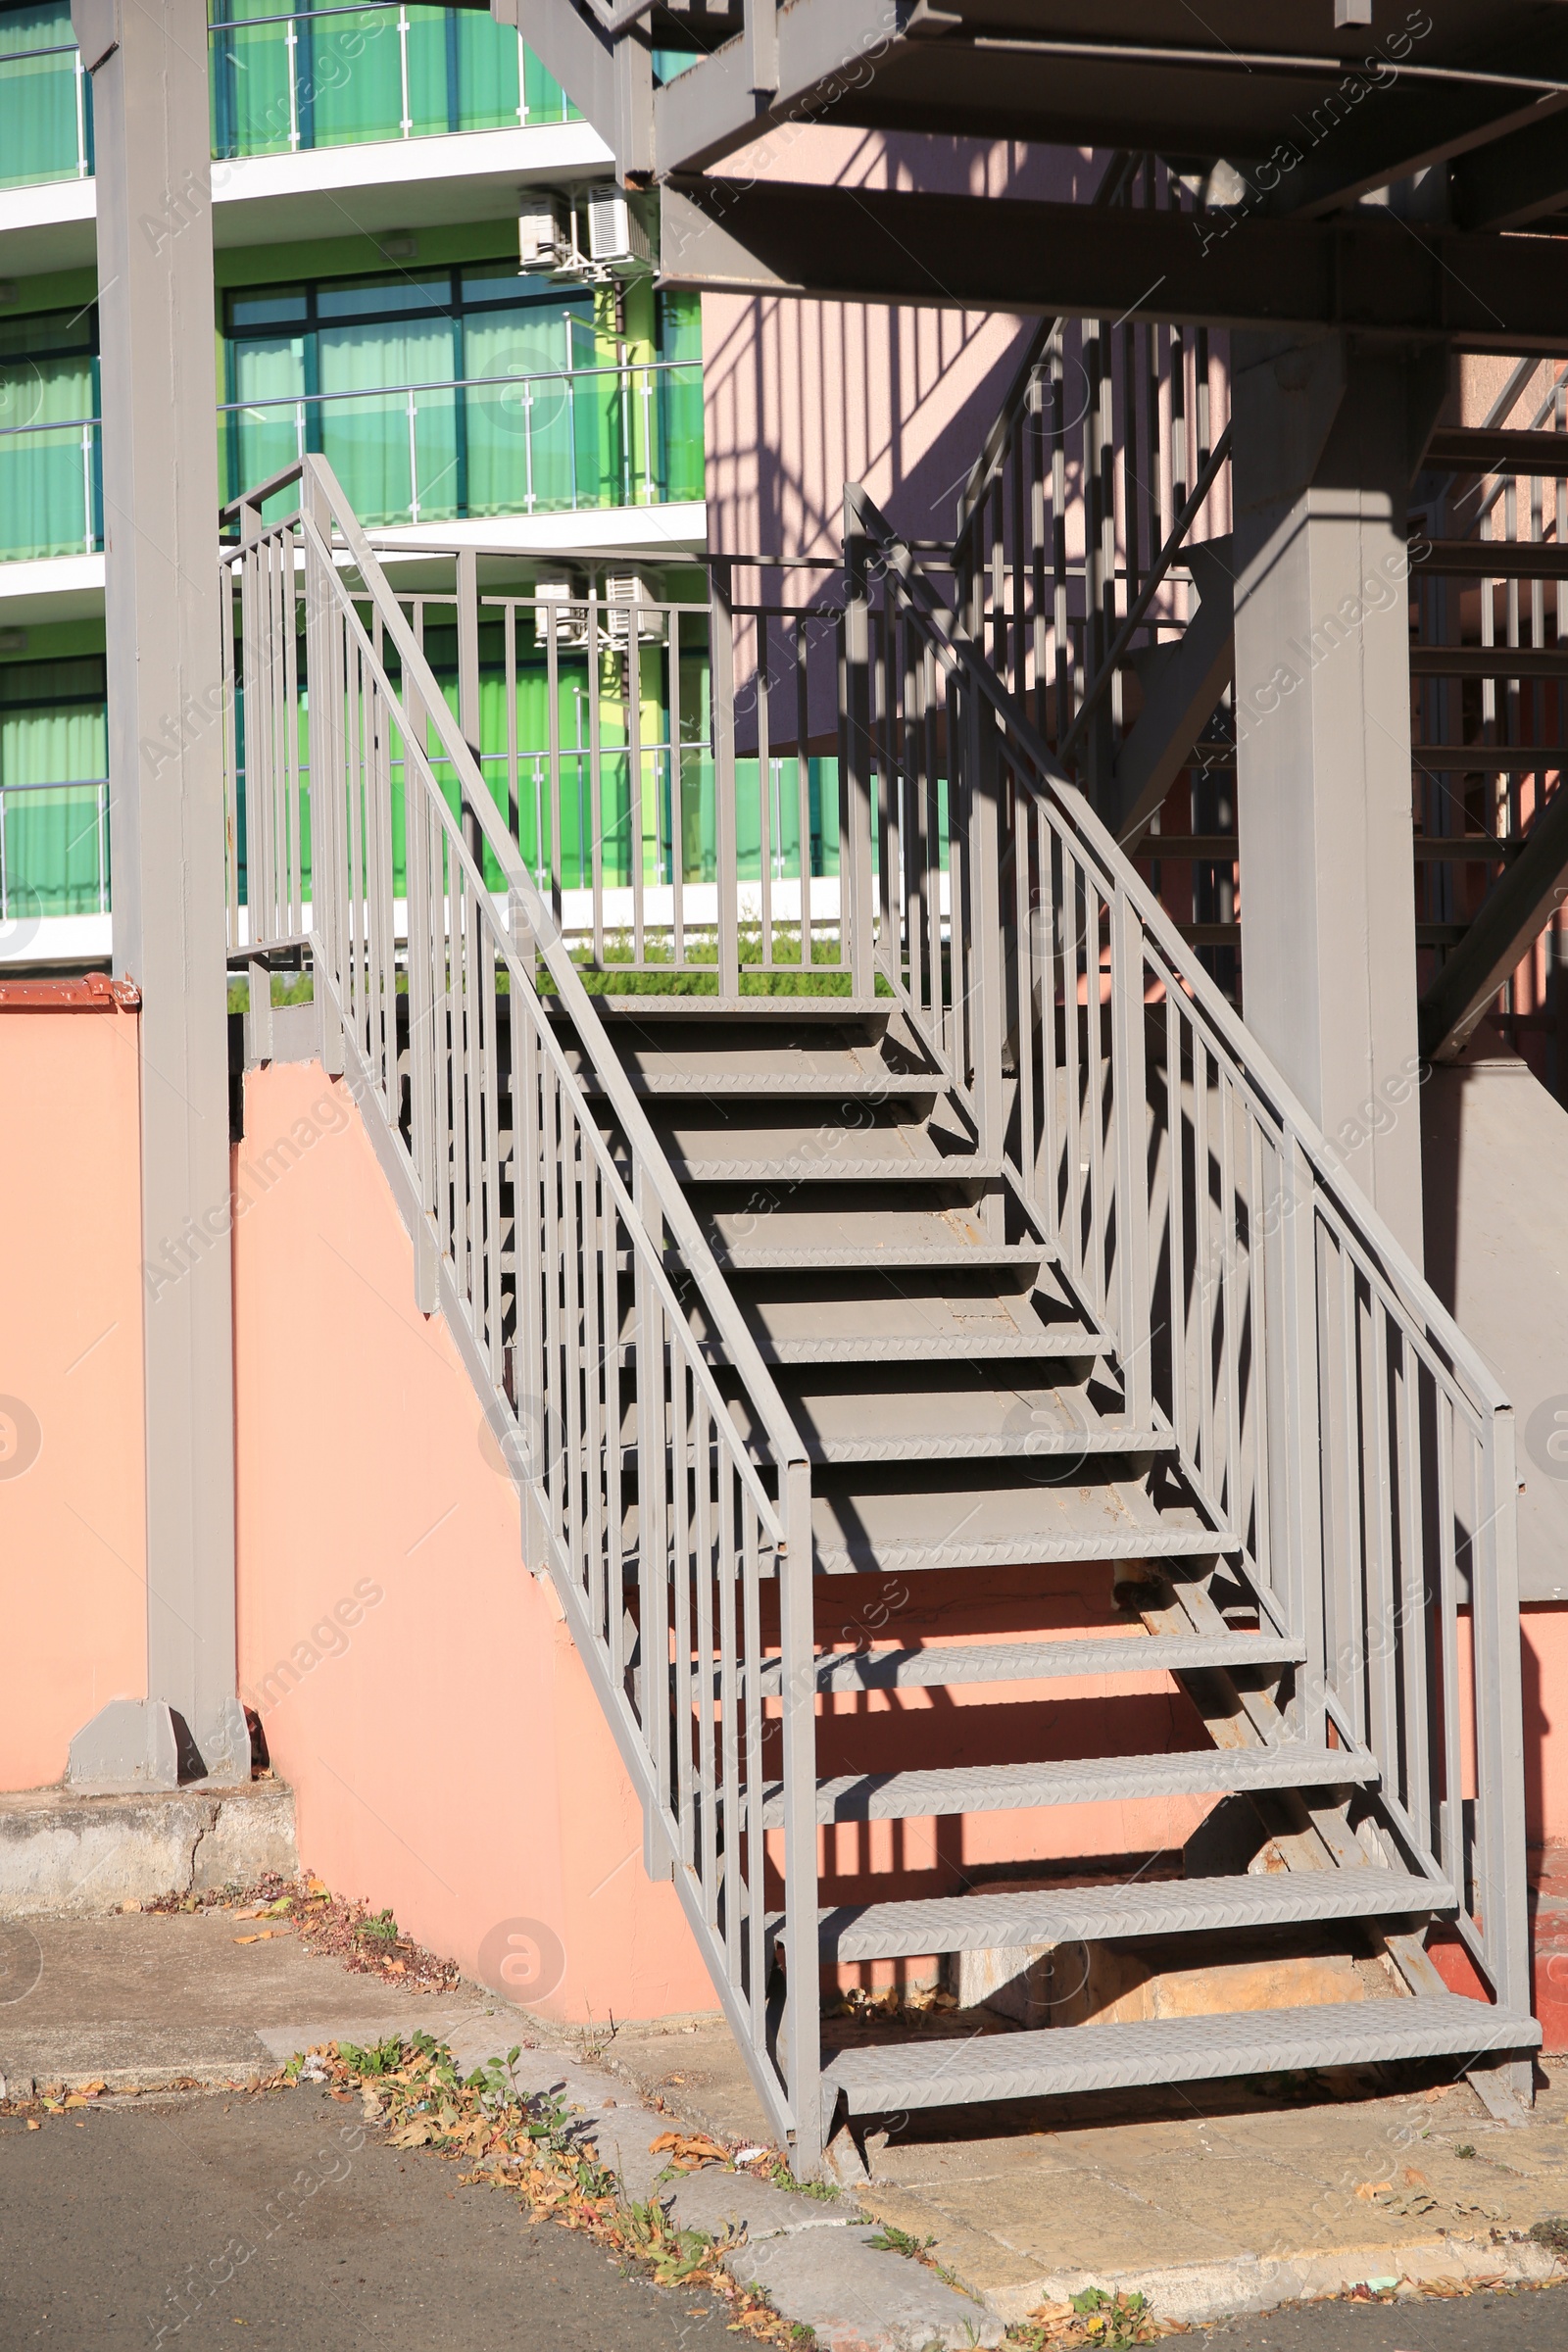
(1222, 2202)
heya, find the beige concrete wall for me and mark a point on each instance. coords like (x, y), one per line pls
(73, 1521)
(415, 1681)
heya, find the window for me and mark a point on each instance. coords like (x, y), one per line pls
(50, 502)
(54, 801)
(433, 393)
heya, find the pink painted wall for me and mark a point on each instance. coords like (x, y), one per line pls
(803, 396)
(72, 1544)
(417, 1686)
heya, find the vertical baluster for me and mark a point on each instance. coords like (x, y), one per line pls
(1230, 1289)
(552, 612)
(1351, 1660)
(756, 1842)
(1095, 1072)
(1414, 1614)
(1202, 1274)
(677, 800)
(1036, 444)
(1047, 929)
(635, 835)
(1501, 1860)
(596, 769)
(721, 672)
(1307, 1463)
(797, 1661)
(1060, 624)
(652, 1540)
(1176, 1219)
(601, 1436)
(1451, 1814)
(709, 1559)
(1129, 1110)
(854, 846)
(685, 1536)
(1069, 927)
(490, 1119)
(802, 784)
(732, 1539)
(616, 1434)
(765, 789)
(1380, 1565)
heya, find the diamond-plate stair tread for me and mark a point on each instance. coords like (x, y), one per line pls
(907, 1319)
(1045, 1661)
(832, 1163)
(1010, 1518)
(979, 1923)
(953, 1419)
(1065, 2059)
(1083, 1781)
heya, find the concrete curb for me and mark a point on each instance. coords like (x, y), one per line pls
(1197, 2291)
(811, 2254)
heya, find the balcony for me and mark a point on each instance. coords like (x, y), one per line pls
(561, 443)
(285, 84)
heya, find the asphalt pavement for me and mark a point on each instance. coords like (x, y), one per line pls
(186, 2220)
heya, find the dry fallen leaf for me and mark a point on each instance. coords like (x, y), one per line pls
(1366, 2191)
(688, 2151)
(33, 2123)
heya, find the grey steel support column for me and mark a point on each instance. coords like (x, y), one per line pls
(1320, 470)
(159, 471)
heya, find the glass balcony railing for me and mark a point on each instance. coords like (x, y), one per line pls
(51, 490)
(284, 81)
(559, 444)
(551, 444)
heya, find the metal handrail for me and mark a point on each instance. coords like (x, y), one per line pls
(1267, 1090)
(1341, 1436)
(350, 926)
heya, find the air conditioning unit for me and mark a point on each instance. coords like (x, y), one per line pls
(545, 240)
(570, 626)
(616, 229)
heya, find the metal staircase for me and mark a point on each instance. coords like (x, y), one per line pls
(791, 1309)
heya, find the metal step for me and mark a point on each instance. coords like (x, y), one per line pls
(1001, 1922)
(934, 1348)
(871, 1316)
(942, 2073)
(872, 1528)
(1489, 660)
(945, 1417)
(1496, 449)
(832, 1163)
(1043, 1661)
(1084, 1781)
(1495, 559)
(747, 1258)
(675, 1007)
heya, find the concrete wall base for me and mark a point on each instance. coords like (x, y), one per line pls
(63, 1851)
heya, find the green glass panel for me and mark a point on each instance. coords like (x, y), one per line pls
(543, 99)
(40, 136)
(350, 78)
(252, 104)
(47, 455)
(53, 750)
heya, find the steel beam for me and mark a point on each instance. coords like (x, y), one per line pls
(1516, 181)
(159, 489)
(1511, 917)
(1374, 275)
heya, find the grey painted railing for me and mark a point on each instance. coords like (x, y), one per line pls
(658, 1525)
(1331, 1419)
